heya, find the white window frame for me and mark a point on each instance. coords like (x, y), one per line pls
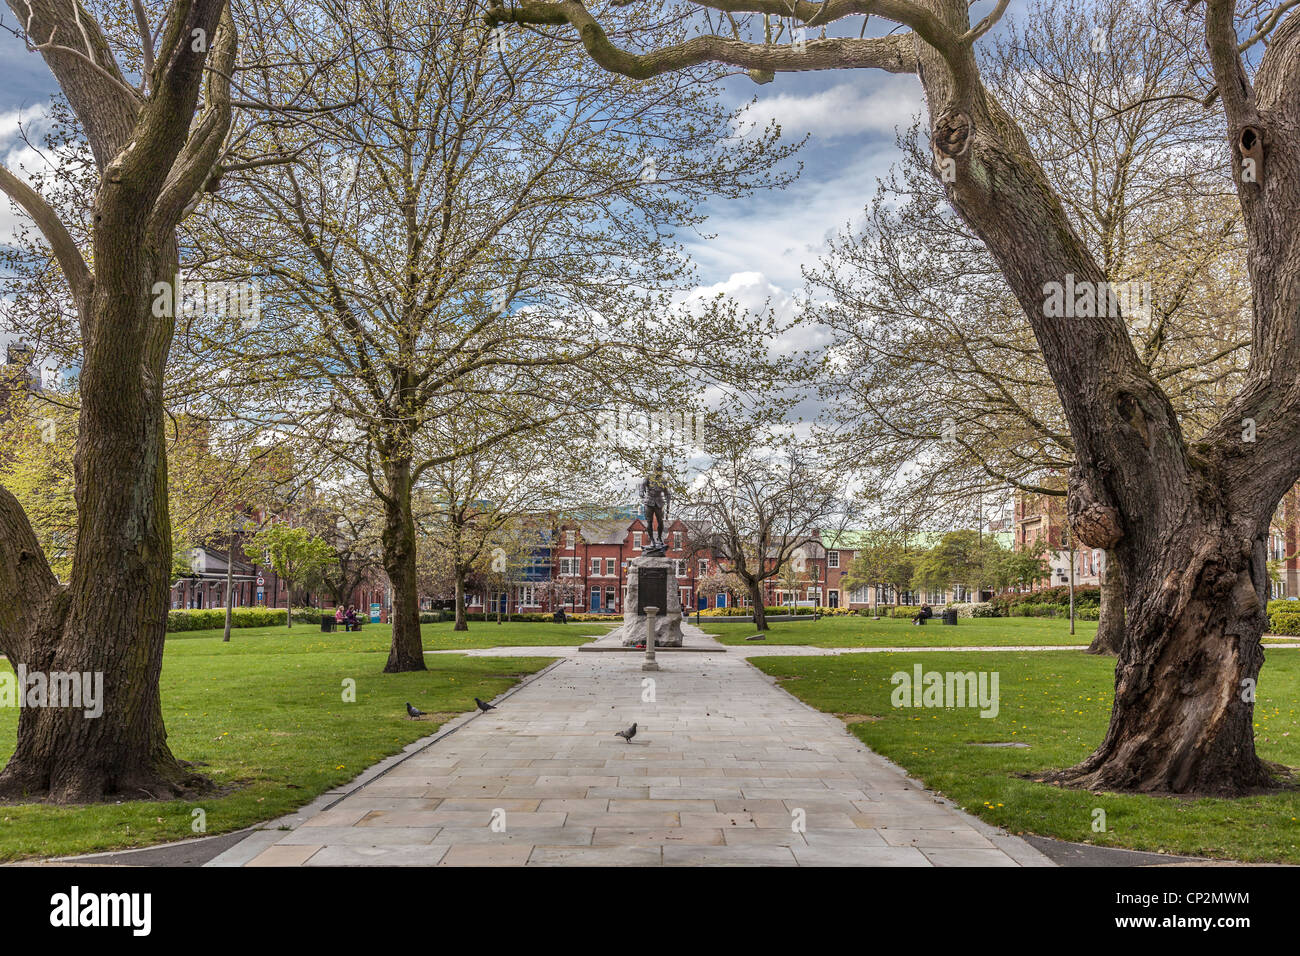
(832, 559)
(570, 540)
(611, 567)
(595, 567)
(636, 540)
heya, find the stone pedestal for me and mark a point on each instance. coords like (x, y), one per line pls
(652, 581)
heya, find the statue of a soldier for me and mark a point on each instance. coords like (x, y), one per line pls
(655, 498)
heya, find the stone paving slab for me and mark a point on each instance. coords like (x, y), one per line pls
(726, 769)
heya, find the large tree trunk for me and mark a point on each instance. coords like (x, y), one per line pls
(407, 650)
(111, 619)
(461, 623)
(154, 154)
(1185, 679)
(1110, 616)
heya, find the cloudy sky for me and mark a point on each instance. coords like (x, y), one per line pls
(758, 244)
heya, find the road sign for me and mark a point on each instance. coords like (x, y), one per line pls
(260, 580)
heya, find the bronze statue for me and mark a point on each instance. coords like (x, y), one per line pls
(655, 498)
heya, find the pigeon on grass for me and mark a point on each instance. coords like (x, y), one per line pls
(413, 711)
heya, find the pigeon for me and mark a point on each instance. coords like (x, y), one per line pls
(413, 711)
(484, 707)
(627, 734)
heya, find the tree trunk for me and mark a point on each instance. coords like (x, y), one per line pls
(1110, 616)
(461, 623)
(110, 621)
(407, 650)
(756, 599)
(1182, 721)
(230, 585)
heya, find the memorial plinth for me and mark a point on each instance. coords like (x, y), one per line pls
(652, 582)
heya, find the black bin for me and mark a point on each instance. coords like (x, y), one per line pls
(327, 622)
(950, 616)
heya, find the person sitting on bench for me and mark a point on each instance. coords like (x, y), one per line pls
(923, 615)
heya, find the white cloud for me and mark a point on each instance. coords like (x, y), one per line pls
(20, 159)
(778, 233)
(846, 109)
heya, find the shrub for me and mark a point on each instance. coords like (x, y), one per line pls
(984, 609)
(1085, 595)
(1087, 613)
(1285, 624)
(202, 619)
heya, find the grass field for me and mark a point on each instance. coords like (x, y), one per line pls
(856, 631)
(265, 715)
(1057, 704)
(437, 637)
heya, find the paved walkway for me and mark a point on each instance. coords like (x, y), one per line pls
(723, 767)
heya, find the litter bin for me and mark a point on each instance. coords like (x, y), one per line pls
(950, 616)
(327, 622)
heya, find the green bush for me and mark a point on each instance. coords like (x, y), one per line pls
(984, 609)
(204, 619)
(1085, 595)
(1285, 624)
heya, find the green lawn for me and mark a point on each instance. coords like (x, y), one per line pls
(303, 638)
(856, 631)
(266, 715)
(1058, 704)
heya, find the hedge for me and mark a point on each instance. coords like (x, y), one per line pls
(1085, 595)
(1286, 624)
(203, 619)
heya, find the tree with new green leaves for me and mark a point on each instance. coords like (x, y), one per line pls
(883, 558)
(959, 557)
(294, 555)
(1019, 568)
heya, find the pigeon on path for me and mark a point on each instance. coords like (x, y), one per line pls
(413, 711)
(627, 734)
(485, 707)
